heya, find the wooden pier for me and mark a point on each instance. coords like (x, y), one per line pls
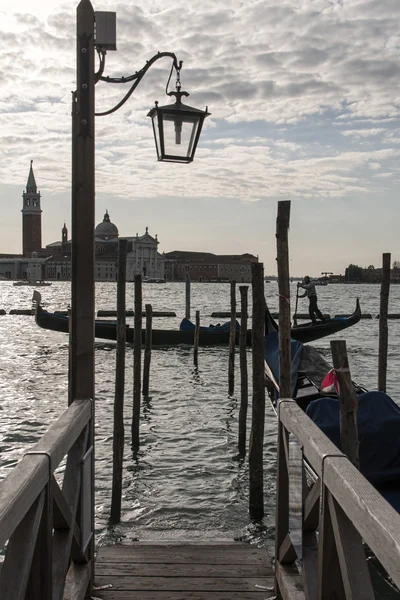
(183, 571)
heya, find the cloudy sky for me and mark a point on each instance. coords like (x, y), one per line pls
(305, 104)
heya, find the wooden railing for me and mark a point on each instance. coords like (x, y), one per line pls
(47, 528)
(325, 508)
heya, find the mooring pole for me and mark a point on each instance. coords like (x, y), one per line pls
(196, 339)
(244, 379)
(383, 323)
(118, 437)
(282, 246)
(187, 297)
(232, 341)
(256, 495)
(137, 352)
(348, 402)
(147, 349)
(82, 380)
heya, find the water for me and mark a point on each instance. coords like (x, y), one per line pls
(185, 482)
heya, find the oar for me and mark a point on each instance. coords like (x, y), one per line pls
(295, 310)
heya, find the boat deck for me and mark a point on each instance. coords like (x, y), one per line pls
(183, 571)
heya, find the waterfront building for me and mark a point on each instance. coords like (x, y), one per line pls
(205, 266)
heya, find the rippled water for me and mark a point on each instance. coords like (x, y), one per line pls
(185, 482)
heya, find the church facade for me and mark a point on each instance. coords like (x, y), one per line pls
(142, 254)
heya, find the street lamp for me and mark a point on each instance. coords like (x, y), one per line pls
(176, 127)
(177, 130)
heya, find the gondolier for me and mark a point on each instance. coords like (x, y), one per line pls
(311, 294)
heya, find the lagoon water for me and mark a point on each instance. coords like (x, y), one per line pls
(185, 481)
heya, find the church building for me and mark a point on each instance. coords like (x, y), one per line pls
(142, 254)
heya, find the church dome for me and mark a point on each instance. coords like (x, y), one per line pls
(106, 229)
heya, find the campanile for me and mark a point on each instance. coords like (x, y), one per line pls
(31, 217)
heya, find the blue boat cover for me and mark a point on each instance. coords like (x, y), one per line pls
(187, 325)
(378, 421)
(271, 356)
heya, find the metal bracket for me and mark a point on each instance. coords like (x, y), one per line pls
(43, 453)
(336, 455)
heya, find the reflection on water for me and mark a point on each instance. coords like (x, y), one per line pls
(186, 481)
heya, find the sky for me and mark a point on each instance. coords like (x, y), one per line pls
(304, 97)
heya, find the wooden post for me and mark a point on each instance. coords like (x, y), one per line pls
(82, 379)
(118, 436)
(244, 379)
(196, 339)
(187, 296)
(282, 245)
(137, 350)
(232, 340)
(348, 402)
(147, 350)
(256, 496)
(383, 324)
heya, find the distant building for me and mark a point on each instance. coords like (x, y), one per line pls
(142, 254)
(54, 261)
(205, 266)
(31, 217)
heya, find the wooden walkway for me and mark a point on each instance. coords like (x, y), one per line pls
(183, 571)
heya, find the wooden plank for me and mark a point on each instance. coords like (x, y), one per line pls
(377, 522)
(62, 518)
(174, 553)
(62, 541)
(287, 553)
(40, 584)
(330, 584)
(203, 584)
(351, 553)
(19, 490)
(315, 443)
(289, 582)
(17, 564)
(61, 436)
(263, 594)
(233, 571)
(77, 581)
(310, 564)
(311, 507)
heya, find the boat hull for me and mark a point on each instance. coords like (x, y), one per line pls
(107, 330)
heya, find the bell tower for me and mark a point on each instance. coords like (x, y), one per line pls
(64, 239)
(31, 217)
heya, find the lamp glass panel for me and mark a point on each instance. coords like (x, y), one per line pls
(179, 134)
(156, 132)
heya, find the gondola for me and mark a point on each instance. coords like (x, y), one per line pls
(209, 336)
(378, 415)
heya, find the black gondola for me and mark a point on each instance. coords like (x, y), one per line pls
(378, 415)
(209, 336)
